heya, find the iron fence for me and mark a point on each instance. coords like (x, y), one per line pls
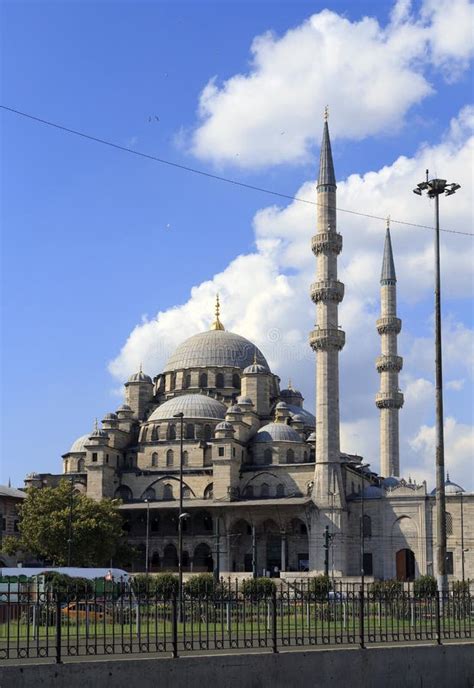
(38, 623)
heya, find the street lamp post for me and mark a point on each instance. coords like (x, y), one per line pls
(362, 531)
(434, 189)
(180, 517)
(147, 541)
(71, 507)
(462, 534)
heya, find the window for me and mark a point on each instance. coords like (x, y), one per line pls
(280, 490)
(167, 492)
(203, 380)
(264, 490)
(149, 494)
(449, 563)
(80, 466)
(236, 380)
(208, 492)
(248, 492)
(303, 529)
(15, 527)
(219, 381)
(169, 457)
(172, 432)
(144, 434)
(367, 526)
(368, 564)
(66, 466)
(94, 456)
(449, 523)
(267, 456)
(187, 381)
(305, 457)
(189, 431)
(154, 459)
(186, 492)
(290, 456)
(185, 458)
(172, 381)
(106, 458)
(155, 433)
(207, 432)
(221, 451)
(124, 493)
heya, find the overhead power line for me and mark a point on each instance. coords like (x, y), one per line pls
(210, 175)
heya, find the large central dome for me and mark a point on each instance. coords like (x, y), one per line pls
(215, 348)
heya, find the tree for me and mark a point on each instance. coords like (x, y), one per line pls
(49, 516)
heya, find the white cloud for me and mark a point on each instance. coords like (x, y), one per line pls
(265, 296)
(370, 75)
(455, 385)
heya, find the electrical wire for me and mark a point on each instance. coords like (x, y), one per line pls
(217, 177)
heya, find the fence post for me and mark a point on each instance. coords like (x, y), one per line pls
(274, 622)
(361, 617)
(438, 617)
(58, 628)
(174, 621)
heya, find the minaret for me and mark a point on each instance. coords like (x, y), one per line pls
(389, 400)
(327, 339)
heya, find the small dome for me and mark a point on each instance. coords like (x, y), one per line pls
(254, 368)
(124, 407)
(309, 419)
(79, 444)
(373, 492)
(290, 393)
(282, 405)
(449, 487)
(311, 437)
(225, 426)
(110, 416)
(277, 432)
(192, 406)
(391, 481)
(99, 432)
(234, 409)
(140, 377)
(298, 418)
(245, 401)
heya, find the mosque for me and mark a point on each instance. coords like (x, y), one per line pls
(266, 487)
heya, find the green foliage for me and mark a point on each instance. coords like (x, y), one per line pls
(385, 589)
(461, 587)
(425, 586)
(201, 585)
(319, 588)
(163, 586)
(258, 588)
(44, 527)
(61, 583)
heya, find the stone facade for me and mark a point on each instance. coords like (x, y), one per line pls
(10, 500)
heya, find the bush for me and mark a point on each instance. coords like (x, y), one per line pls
(386, 589)
(258, 588)
(425, 586)
(319, 588)
(67, 585)
(201, 585)
(166, 585)
(461, 588)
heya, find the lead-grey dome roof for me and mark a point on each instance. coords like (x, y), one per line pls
(309, 419)
(79, 444)
(215, 348)
(449, 487)
(277, 432)
(140, 377)
(192, 406)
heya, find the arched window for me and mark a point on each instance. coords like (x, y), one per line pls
(449, 523)
(154, 459)
(280, 490)
(144, 434)
(367, 526)
(169, 457)
(149, 494)
(167, 492)
(207, 432)
(154, 433)
(186, 492)
(267, 456)
(219, 381)
(66, 465)
(185, 458)
(170, 558)
(203, 380)
(171, 431)
(264, 490)
(248, 492)
(172, 380)
(290, 456)
(124, 493)
(236, 381)
(187, 381)
(189, 431)
(208, 492)
(81, 466)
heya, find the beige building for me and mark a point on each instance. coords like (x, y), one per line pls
(265, 483)
(10, 500)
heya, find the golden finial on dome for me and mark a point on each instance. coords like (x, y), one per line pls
(217, 325)
(290, 386)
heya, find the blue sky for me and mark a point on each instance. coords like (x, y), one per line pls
(96, 242)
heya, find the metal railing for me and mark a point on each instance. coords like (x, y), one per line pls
(38, 623)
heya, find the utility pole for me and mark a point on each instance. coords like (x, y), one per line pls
(71, 507)
(180, 518)
(434, 189)
(217, 571)
(147, 541)
(326, 551)
(254, 552)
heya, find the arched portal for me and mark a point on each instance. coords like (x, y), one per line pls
(202, 559)
(170, 558)
(405, 564)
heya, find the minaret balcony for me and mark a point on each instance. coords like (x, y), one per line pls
(326, 242)
(389, 325)
(389, 400)
(327, 290)
(389, 363)
(326, 339)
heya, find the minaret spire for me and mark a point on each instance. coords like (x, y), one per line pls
(217, 325)
(389, 399)
(326, 166)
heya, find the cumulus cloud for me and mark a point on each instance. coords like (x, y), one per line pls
(370, 74)
(265, 296)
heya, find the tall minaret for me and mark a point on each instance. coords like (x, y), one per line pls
(389, 400)
(327, 339)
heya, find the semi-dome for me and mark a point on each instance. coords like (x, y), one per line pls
(225, 425)
(192, 406)
(213, 349)
(311, 437)
(79, 444)
(308, 418)
(254, 369)
(277, 432)
(449, 487)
